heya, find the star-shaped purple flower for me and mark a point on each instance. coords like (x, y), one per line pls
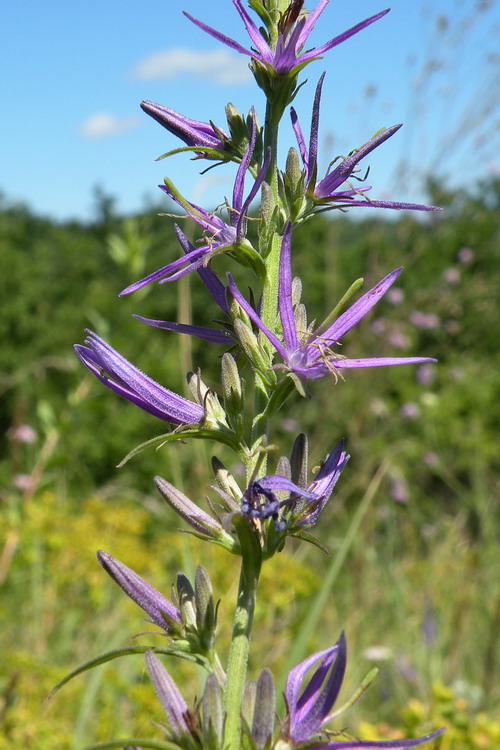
(286, 56)
(309, 707)
(222, 236)
(326, 192)
(302, 506)
(309, 354)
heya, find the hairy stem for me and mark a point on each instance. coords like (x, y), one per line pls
(242, 628)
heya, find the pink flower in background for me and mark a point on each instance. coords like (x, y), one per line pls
(425, 375)
(395, 296)
(451, 275)
(410, 410)
(425, 321)
(465, 255)
(23, 433)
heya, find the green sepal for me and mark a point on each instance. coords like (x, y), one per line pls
(306, 537)
(278, 397)
(227, 483)
(247, 256)
(206, 613)
(358, 693)
(212, 712)
(258, 7)
(300, 384)
(127, 651)
(209, 153)
(256, 354)
(234, 549)
(338, 307)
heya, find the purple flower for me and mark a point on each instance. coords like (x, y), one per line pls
(221, 236)
(260, 501)
(203, 524)
(309, 354)
(286, 56)
(327, 191)
(169, 695)
(123, 378)
(192, 132)
(159, 609)
(309, 707)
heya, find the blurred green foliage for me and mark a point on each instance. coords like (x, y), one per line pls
(418, 593)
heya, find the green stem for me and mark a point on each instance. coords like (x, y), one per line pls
(242, 628)
(270, 286)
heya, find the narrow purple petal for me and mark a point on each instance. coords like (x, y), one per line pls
(341, 37)
(285, 303)
(255, 318)
(397, 205)
(201, 332)
(254, 33)
(208, 221)
(310, 20)
(285, 56)
(278, 482)
(326, 479)
(294, 684)
(301, 141)
(239, 182)
(163, 273)
(216, 288)
(167, 691)
(192, 132)
(344, 364)
(313, 142)
(148, 598)
(87, 357)
(319, 696)
(134, 385)
(219, 36)
(253, 192)
(345, 169)
(357, 311)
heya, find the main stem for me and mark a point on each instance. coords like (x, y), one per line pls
(242, 628)
(270, 286)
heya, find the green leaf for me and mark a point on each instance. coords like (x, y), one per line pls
(306, 537)
(116, 653)
(199, 433)
(134, 741)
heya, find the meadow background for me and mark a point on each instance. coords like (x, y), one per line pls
(413, 528)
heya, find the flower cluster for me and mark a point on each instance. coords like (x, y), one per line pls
(272, 351)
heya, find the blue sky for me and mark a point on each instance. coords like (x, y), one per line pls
(73, 75)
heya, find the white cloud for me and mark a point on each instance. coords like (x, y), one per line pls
(219, 66)
(106, 125)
